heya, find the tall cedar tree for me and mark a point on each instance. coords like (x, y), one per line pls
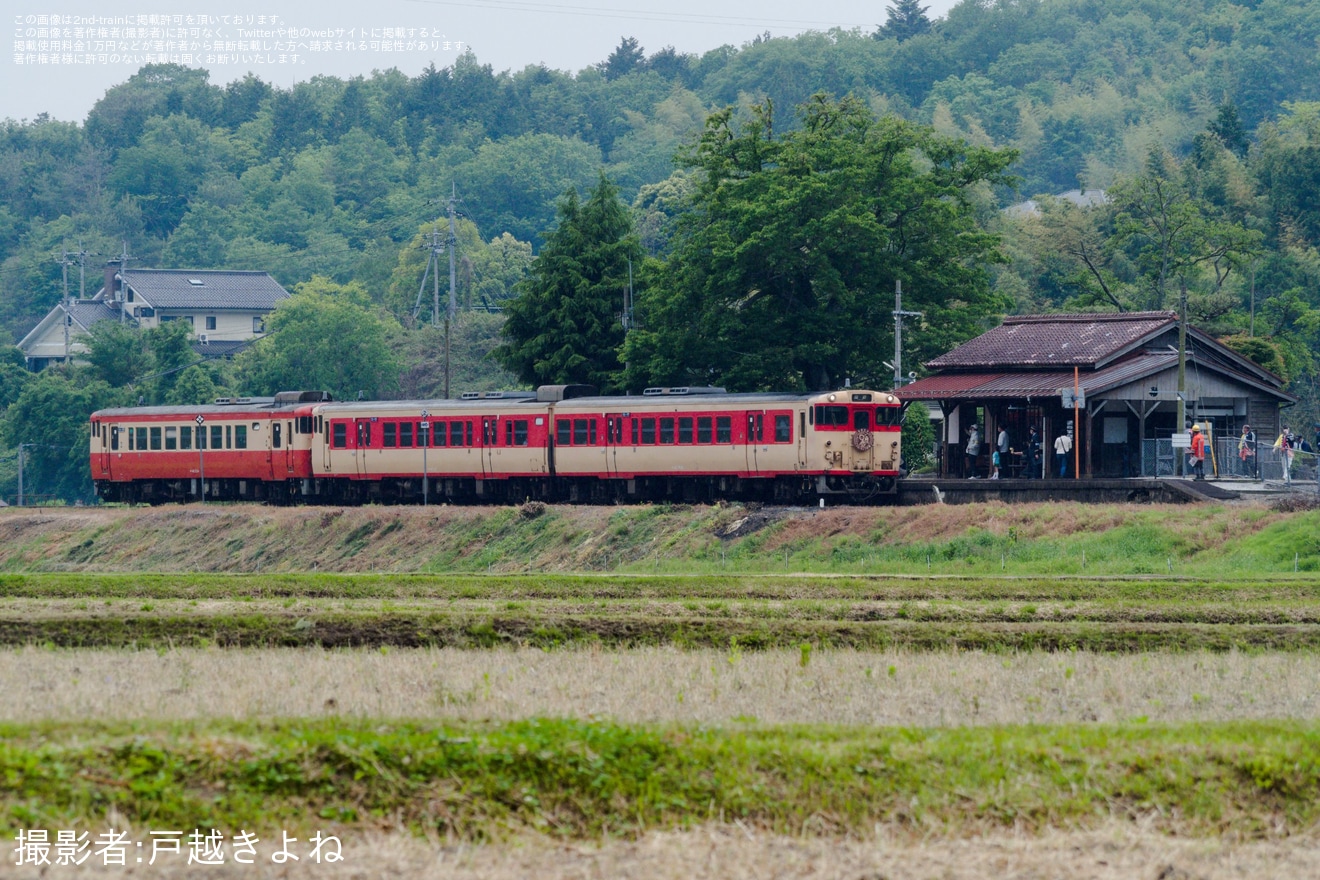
(906, 19)
(564, 326)
(782, 273)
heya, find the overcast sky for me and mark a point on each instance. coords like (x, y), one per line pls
(506, 34)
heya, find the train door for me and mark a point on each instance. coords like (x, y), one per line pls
(863, 440)
(328, 432)
(489, 452)
(103, 433)
(802, 440)
(362, 427)
(288, 456)
(614, 446)
(755, 435)
(274, 439)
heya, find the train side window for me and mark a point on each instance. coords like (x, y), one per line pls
(455, 433)
(520, 432)
(723, 429)
(341, 435)
(579, 432)
(423, 434)
(391, 435)
(229, 437)
(783, 429)
(508, 432)
(275, 433)
(563, 432)
(171, 438)
(648, 431)
(591, 431)
(666, 431)
(685, 430)
(217, 437)
(201, 437)
(802, 424)
(155, 438)
(636, 435)
(406, 435)
(185, 437)
(114, 438)
(240, 436)
(862, 420)
(439, 434)
(704, 432)
(468, 434)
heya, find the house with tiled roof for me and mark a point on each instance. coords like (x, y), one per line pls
(1122, 370)
(226, 310)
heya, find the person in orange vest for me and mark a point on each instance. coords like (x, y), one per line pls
(1198, 453)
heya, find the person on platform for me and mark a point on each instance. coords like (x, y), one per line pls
(1033, 454)
(973, 450)
(1284, 446)
(1062, 446)
(1197, 455)
(1247, 451)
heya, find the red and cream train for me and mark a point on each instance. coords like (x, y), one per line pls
(559, 443)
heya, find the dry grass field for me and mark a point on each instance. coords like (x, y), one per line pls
(660, 685)
(733, 852)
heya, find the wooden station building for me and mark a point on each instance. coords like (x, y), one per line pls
(1021, 374)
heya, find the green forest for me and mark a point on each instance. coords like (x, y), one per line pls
(759, 200)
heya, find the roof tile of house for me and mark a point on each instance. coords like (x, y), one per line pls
(193, 289)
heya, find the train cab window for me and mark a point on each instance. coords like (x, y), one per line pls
(406, 435)
(704, 426)
(185, 437)
(685, 430)
(391, 435)
(114, 438)
(304, 424)
(648, 431)
(171, 438)
(666, 431)
(723, 429)
(831, 416)
(275, 433)
(240, 436)
(862, 420)
(340, 435)
(784, 429)
(155, 438)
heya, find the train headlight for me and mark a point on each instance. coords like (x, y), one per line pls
(832, 396)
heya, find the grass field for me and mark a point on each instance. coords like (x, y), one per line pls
(877, 612)
(1038, 691)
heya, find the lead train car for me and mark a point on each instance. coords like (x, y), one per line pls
(677, 444)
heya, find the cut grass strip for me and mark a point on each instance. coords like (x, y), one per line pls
(627, 586)
(436, 629)
(579, 779)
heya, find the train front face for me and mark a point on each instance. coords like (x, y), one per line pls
(853, 441)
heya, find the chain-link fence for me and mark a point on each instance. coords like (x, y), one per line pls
(1159, 459)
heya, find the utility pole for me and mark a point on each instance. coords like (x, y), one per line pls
(21, 447)
(627, 317)
(451, 312)
(65, 263)
(1181, 424)
(899, 315)
(123, 302)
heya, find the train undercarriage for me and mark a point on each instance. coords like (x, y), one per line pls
(805, 489)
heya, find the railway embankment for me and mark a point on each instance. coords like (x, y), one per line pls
(1060, 538)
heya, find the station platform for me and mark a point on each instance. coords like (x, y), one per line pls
(923, 489)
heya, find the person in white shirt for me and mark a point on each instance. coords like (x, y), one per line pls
(1062, 446)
